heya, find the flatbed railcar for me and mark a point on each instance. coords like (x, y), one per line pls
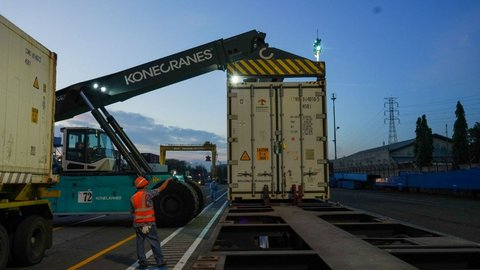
(317, 234)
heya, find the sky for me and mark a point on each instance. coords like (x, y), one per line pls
(425, 54)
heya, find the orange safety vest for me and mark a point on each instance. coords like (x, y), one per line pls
(141, 212)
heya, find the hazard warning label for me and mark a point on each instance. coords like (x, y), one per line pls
(245, 156)
(35, 83)
(34, 115)
(262, 153)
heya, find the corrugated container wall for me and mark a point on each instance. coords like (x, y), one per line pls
(27, 94)
(277, 137)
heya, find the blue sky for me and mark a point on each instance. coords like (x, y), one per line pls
(424, 53)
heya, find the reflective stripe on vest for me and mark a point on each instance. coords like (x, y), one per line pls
(141, 213)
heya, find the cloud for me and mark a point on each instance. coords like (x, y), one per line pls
(148, 135)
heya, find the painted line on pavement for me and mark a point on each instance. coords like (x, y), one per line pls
(149, 253)
(79, 222)
(166, 240)
(110, 248)
(181, 263)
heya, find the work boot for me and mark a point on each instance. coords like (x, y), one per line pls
(163, 264)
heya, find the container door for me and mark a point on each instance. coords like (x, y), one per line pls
(303, 128)
(250, 138)
(277, 139)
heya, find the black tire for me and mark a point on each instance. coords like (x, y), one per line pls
(201, 198)
(175, 206)
(4, 247)
(30, 241)
(195, 198)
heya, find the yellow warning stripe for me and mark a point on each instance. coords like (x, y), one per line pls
(264, 67)
(272, 64)
(284, 65)
(300, 62)
(252, 62)
(230, 68)
(247, 66)
(315, 68)
(298, 70)
(237, 66)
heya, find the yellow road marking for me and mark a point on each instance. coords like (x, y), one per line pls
(110, 248)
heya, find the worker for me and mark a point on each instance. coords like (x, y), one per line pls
(79, 152)
(213, 190)
(144, 221)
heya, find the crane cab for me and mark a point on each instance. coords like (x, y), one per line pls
(87, 149)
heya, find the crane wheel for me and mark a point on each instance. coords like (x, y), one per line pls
(5, 247)
(175, 206)
(30, 241)
(195, 197)
(198, 190)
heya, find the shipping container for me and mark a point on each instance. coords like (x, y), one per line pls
(277, 139)
(27, 96)
(27, 90)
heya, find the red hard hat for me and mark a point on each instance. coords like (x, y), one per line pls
(141, 182)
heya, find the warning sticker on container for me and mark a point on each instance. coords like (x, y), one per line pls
(245, 156)
(34, 115)
(262, 154)
(35, 83)
(310, 154)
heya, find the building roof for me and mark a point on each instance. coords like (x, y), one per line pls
(399, 145)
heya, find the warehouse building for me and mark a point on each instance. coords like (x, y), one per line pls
(390, 159)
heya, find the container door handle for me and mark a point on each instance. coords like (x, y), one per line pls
(244, 174)
(265, 174)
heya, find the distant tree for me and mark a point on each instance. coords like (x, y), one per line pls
(423, 147)
(199, 173)
(474, 138)
(174, 164)
(460, 137)
(221, 171)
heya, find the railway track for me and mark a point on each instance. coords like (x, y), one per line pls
(179, 246)
(321, 235)
(315, 231)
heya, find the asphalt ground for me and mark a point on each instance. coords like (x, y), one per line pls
(448, 214)
(108, 241)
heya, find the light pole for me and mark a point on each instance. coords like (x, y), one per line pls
(317, 48)
(334, 127)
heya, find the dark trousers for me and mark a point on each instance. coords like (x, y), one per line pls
(152, 238)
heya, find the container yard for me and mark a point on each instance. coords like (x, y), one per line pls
(276, 196)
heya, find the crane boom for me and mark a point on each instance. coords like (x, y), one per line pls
(137, 80)
(245, 55)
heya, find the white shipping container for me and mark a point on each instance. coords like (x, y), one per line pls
(27, 95)
(277, 137)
